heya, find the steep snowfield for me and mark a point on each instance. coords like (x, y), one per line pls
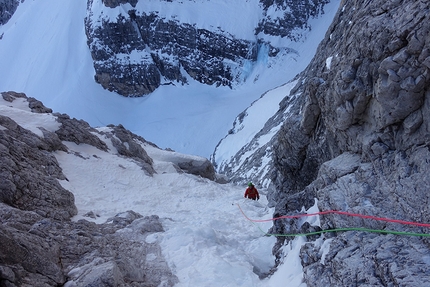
(246, 127)
(207, 241)
(254, 118)
(44, 54)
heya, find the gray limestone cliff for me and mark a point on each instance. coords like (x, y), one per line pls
(39, 243)
(366, 130)
(355, 137)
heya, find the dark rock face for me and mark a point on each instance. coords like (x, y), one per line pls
(357, 139)
(116, 3)
(138, 52)
(295, 17)
(7, 8)
(29, 172)
(191, 48)
(40, 245)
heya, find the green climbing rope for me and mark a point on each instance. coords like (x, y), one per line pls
(381, 231)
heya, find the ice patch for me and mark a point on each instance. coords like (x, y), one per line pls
(325, 248)
(328, 62)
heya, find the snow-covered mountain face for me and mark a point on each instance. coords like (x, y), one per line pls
(139, 45)
(51, 61)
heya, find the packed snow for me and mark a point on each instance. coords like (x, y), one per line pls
(207, 241)
(328, 62)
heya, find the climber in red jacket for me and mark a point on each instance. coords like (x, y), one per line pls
(251, 192)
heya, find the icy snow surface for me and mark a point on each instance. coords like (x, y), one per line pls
(44, 54)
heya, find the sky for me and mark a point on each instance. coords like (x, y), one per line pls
(207, 241)
(45, 55)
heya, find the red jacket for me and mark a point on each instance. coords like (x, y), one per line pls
(252, 193)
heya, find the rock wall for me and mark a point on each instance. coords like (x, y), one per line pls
(7, 8)
(30, 172)
(40, 245)
(139, 51)
(293, 22)
(357, 139)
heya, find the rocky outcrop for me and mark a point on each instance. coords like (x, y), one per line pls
(196, 165)
(293, 21)
(39, 251)
(78, 131)
(40, 245)
(30, 173)
(125, 143)
(357, 140)
(139, 51)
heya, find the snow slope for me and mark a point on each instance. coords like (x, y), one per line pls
(207, 241)
(44, 54)
(254, 118)
(246, 127)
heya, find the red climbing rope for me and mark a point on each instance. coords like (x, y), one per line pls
(341, 213)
